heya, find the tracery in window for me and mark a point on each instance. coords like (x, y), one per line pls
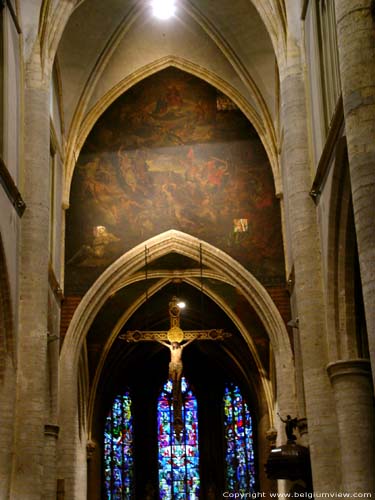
(178, 459)
(118, 450)
(238, 430)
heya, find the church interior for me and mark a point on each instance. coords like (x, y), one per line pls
(187, 249)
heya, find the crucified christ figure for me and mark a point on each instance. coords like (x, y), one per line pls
(175, 374)
(175, 364)
(177, 341)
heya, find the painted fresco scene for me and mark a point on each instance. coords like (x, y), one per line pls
(185, 158)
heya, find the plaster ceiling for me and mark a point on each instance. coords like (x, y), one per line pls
(106, 42)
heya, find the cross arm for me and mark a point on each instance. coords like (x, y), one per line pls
(143, 335)
(213, 334)
(155, 336)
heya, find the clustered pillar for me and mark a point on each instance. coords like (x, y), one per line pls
(351, 381)
(31, 397)
(308, 276)
(356, 45)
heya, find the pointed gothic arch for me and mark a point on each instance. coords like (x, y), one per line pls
(129, 264)
(265, 389)
(189, 246)
(83, 123)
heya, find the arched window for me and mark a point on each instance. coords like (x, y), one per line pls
(178, 460)
(240, 463)
(118, 450)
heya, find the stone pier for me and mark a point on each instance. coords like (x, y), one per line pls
(356, 45)
(308, 278)
(31, 404)
(351, 381)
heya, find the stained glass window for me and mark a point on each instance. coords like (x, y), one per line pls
(118, 450)
(178, 459)
(240, 463)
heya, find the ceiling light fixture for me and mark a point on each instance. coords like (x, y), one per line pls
(163, 9)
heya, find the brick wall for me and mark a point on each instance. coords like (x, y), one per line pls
(280, 296)
(68, 308)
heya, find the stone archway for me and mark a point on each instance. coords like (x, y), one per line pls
(128, 264)
(83, 123)
(265, 385)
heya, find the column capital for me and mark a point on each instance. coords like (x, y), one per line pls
(349, 367)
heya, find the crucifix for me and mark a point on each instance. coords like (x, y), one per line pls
(176, 340)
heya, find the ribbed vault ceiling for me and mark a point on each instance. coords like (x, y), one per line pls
(105, 42)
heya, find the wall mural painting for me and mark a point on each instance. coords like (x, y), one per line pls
(169, 155)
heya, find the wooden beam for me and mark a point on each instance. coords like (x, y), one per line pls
(304, 9)
(14, 16)
(11, 190)
(54, 284)
(328, 150)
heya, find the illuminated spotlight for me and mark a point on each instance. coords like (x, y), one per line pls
(181, 304)
(163, 9)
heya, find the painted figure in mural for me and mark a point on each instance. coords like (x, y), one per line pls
(173, 96)
(164, 156)
(175, 364)
(126, 171)
(290, 425)
(97, 251)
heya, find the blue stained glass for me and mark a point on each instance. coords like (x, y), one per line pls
(240, 473)
(178, 460)
(118, 450)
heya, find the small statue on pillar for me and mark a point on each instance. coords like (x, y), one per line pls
(290, 425)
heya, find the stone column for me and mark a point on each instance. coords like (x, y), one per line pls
(356, 44)
(94, 471)
(51, 432)
(351, 381)
(7, 403)
(302, 218)
(27, 477)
